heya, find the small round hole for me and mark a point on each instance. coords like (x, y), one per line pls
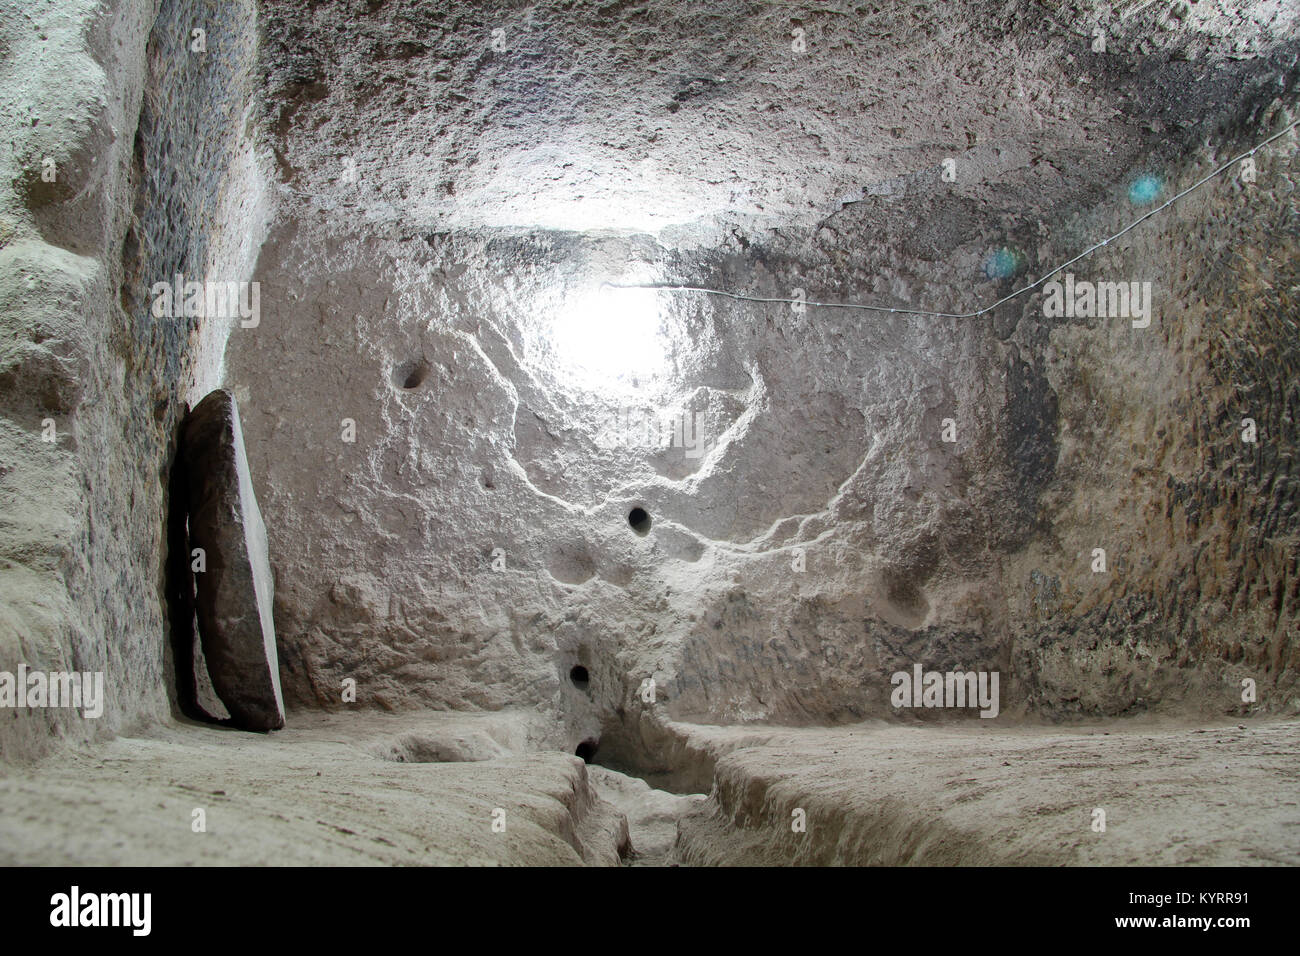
(579, 677)
(587, 749)
(639, 520)
(410, 375)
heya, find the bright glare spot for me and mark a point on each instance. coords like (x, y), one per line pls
(1003, 263)
(1145, 189)
(610, 338)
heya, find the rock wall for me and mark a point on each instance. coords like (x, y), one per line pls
(448, 441)
(152, 173)
(450, 423)
(201, 209)
(81, 513)
(448, 512)
(1198, 522)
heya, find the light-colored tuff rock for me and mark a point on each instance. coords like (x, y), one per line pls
(1128, 794)
(80, 503)
(497, 481)
(305, 797)
(233, 586)
(93, 385)
(450, 421)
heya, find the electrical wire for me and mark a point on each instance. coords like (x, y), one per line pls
(742, 297)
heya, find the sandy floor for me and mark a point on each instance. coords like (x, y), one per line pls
(378, 789)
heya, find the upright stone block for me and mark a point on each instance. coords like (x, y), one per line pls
(234, 594)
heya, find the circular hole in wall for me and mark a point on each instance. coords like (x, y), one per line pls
(580, 677)
(587, 749)
(410, 375)
(639, 520)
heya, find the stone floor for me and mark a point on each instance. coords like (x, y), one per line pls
(417, 790)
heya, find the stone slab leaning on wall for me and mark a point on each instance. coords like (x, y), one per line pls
(235, 589)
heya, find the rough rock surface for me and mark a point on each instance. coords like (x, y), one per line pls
(449, 421)
(1214, 795)
(235, 588)
(466, 406)
(311, 795)
(145, 183)
(652, 815)
(80, 509)
(318, 793)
